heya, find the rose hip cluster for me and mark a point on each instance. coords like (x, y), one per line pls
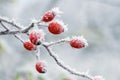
(37, 37)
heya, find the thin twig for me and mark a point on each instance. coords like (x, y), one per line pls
(42, 25)
(7, 29)
(67, 68)
(17, 31)
(57, 42)
(10, 22)
(4, 26)
(28, 28)
(17, 26)
(18, 38)
(10, 32)
(38, 53)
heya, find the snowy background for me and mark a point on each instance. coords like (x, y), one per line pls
(97, 20)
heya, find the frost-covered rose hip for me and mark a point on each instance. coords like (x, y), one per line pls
(78, 42)
(57, 27)
(36, 37)
(40, 67)
(50, 15)
(29, 46)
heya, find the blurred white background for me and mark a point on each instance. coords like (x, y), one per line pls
(97, 20)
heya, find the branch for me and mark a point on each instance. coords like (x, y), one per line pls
(20, 30)
(28, 28)
(11, 22)
(8, 32)
(18, 38)
(57, 42)
(37, 55)
(4, 26)
(65, 67)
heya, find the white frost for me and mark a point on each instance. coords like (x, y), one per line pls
(82, 39)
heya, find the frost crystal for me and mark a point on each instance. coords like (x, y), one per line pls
(82, 39)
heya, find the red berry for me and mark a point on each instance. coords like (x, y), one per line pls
(40, 67)
(55, 28)
(48, 16)
(36, 37)
(29, 46)
(76, 43)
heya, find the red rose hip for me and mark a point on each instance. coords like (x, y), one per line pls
(57, 27)
(48, 16)
(40, 67)
(29, 46)
(36, 37)
(78, 42)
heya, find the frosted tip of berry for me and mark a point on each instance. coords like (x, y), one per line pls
(98, 78)
(82, 39)
(57, 11)
(63, 25)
